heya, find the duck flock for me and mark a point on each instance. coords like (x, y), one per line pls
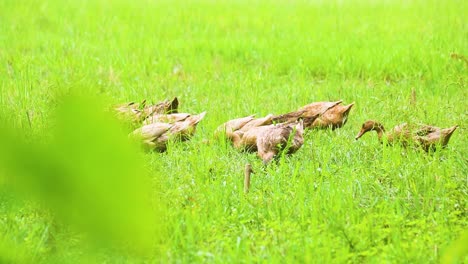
(269, 135)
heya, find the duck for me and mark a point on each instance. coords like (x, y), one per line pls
(244, 124)
(155, 136)
(334, 117)
(425, 136)
(278, 138)
(247, 140)
(149, 135)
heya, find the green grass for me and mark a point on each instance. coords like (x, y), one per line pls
(335, 200)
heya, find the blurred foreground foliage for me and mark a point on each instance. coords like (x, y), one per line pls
(84, 171)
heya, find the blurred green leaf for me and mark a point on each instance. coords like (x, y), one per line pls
(87, 173)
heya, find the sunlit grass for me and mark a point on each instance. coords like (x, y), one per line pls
(335, 200)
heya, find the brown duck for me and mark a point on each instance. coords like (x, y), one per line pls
(281, 137)
(246, 123)
(247, 140)
(425, 136)
(331, 114)
(156, 135)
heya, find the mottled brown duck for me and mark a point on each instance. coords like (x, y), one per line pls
(156, 135)
(278, 138)
(247, 140)
(425, 136)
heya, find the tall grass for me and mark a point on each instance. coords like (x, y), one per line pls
(336, 200)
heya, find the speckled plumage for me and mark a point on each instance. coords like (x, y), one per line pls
(156, 135)
(424, 136)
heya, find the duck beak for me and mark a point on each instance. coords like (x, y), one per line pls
(359, 135)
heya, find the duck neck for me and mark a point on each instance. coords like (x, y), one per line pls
(380, 131)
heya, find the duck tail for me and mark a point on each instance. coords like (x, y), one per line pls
(450, 130)
(173, 106)
(348, 107)
(197, 118)
(446, 134)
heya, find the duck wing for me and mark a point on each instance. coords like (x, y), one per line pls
(152, 131)
(150, 135)
(438, 136)
(288, 117)
(319, 107)
(256, 122)
(425, 130)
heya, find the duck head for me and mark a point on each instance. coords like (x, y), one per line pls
(369, 126)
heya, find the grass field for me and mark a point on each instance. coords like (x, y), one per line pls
(336, 200)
